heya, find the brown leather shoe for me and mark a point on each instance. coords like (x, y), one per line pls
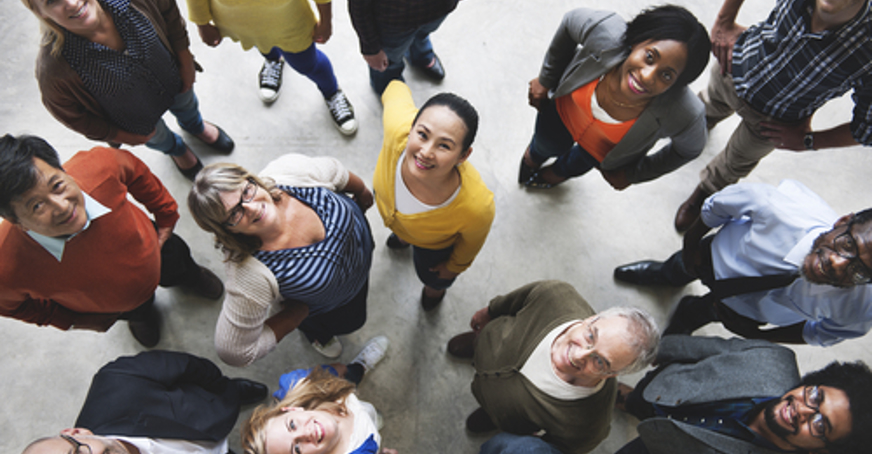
(479, 421)
(207, 285)
(462, 345)
(688, 212)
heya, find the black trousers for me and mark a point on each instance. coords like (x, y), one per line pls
(343, 320)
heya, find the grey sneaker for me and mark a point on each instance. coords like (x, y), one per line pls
(332, 349)
(342, 113)
(270, 80)
(372, 352)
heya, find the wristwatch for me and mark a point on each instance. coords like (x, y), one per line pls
(808, 141)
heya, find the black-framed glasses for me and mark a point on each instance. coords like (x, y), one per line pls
(846, 246)
(817, 425)
(236, 213)
(600, 365)
(78, 447)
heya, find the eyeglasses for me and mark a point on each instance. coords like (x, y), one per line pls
(846, 246)
(238, 210)
(78, 448)
(817, 425)
(600, 365)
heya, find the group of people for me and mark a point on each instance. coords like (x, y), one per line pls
(298, 248)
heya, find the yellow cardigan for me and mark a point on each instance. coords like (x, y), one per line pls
(464, 223)
(287, 24)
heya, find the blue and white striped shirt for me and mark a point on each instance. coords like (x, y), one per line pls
(327, 274)
(785, 71)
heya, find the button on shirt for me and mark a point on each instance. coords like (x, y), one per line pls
(784, 70)
(767, 230)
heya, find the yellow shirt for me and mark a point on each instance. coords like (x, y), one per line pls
(464, 223)
(287, 24)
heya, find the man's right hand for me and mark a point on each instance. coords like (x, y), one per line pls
(378, 62)
(479, 320)
(724, 35)
(210, 34)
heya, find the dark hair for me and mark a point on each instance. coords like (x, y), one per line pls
(855, 379)
(864, 217)
(459, 106)
(18, 174)
(674, 23)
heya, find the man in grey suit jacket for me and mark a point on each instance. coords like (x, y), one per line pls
(713, 395)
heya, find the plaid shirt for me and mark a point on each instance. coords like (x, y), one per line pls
(374, 18)
(785, 71)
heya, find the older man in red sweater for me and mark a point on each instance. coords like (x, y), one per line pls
(76, 252)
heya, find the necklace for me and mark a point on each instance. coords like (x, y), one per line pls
(615, 100)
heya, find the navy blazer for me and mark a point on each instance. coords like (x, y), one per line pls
(587, 45)
(161, 394)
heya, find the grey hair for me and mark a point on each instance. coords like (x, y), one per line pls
(643, 335)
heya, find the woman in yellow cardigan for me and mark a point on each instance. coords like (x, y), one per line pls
(426, 192)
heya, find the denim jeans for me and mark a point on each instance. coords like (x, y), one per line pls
(186, 109)
(413, 44)
(552, 139)
(311, 63)
(506, 443)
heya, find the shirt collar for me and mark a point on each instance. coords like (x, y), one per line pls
(797, 254)
(55, 245)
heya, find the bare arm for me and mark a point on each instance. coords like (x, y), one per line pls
(791, 137)
(288, 319)
(725, 32)
(359, 192)
(324, 27)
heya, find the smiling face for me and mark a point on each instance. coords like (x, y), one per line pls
(435, 143)
(257, 213)
(54, 206)
(80, 17)
(83, 437)
(651, 68)
(790, 421)
(838, 11)
(591, 350)
(298, 431)
(825, 265)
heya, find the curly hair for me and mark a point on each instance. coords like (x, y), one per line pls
(205, 205)
(320, 390)
(855, 379)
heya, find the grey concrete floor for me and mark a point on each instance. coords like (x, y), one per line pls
(577, 232)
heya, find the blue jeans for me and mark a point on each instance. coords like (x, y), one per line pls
(311, 63)
(506, 443)
(186, 109)
(413, 44)
(551, 138)
(428, 258)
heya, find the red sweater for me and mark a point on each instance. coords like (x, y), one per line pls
(111, 267)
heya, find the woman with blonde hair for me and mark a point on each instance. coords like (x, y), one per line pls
(298, 252)
(318, 412)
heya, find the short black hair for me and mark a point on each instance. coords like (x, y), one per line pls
(459, 106)
(855, 379)
(863, 217)
(18, 174)
(673, 23)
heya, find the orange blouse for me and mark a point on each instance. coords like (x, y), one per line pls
(594, 136)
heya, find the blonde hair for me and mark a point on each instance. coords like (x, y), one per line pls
(205, 205)
(52, 33)
(320, 390)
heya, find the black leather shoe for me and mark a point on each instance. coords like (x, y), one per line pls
(526, 173)
(146, 330)
(434, 71)
(223, 143)
(479, 421)
(430, 302)
(250, 392)
(462, 345)
(646, 272)
(394, 242)
(207, 284)
(191, 172)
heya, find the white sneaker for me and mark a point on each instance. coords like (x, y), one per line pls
(372, 352)
(332, 349)
(270, 80)
(342, 113)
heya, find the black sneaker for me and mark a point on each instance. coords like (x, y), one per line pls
(270, 79)
(342, 113)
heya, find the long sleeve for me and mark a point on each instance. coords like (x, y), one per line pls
(200, 11)
(146, 188)
(307, 172)
(363, 19)
(572, 33)
(170, 369)
(241, 336)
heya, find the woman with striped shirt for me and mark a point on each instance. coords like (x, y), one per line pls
(297, 253)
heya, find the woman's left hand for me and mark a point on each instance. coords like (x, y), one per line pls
(186, 69)
(617, 178)
(443, 271)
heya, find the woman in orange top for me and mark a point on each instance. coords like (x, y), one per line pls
(615, 89)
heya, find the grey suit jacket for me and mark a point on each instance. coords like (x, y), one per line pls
(708, 369)
(587, 45)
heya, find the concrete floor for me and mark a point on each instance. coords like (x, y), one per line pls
(577, 232)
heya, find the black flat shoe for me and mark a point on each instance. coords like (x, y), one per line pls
(526, 173)
(191, 172)
(394, 242)
(430, 302)
(434, 71)
(223, 143)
